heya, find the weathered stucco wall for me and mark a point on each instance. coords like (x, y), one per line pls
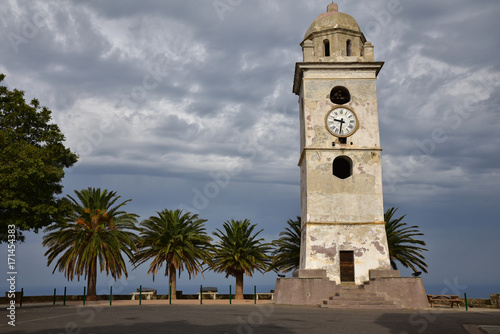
(317, 87)
(341, 214)
(357, 199)
(325, 241)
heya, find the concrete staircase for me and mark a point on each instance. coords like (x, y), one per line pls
(356, 297)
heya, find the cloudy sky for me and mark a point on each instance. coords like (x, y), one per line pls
(189, 104)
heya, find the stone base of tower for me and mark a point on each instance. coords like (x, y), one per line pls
(307, 287)
(385, 289)
(324, 244)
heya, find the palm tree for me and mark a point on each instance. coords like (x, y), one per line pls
(238, 252)
(95, 231)
(403, 247)
(286, 254)
(177, 239)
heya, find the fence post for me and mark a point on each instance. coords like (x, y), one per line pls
(170, 294)
(54, 301)
(255, 294)
(84, 295)
(201, 294)
(140, 294)
(110, 295)
(22, 295)
(230, 295)
(64, 300)
(466, 305)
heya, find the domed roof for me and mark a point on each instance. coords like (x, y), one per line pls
(332, 19)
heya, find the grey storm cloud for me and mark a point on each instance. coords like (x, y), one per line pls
(186, 104)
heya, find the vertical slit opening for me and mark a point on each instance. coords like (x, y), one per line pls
(326, 44)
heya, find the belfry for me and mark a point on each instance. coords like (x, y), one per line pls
(343, 241)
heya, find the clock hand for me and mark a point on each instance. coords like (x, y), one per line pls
(342, 122)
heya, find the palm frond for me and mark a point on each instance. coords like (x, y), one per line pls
(286, 252)
(404, 246)
(176, 239)
(239, 249)
(92, 233)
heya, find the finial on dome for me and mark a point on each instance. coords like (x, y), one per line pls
(333, 7)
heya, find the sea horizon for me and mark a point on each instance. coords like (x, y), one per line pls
(472, 291)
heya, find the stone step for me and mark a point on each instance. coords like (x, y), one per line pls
(352, 287)
(359, 298)
(355, 297)
(355, 294)
(358, 302)
(366, 307)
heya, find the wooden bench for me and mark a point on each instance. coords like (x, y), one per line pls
(452, 299)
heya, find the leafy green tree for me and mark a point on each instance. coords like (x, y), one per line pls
(32, 162)
(286, 253)
(403, 245)
(239, 252)
(177, 239)
(93, 236)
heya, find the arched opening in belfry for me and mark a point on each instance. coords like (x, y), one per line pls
(326, 44)
(342, 167)
(349, 48)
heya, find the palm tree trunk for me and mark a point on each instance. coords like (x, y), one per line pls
(239, 286)
(92, 281)
(172, 280)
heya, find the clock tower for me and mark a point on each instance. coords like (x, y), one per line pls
(344, 256)
(343, 229)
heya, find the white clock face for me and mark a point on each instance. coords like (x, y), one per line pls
(341, 122)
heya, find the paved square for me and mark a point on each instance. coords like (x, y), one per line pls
(219, 317)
